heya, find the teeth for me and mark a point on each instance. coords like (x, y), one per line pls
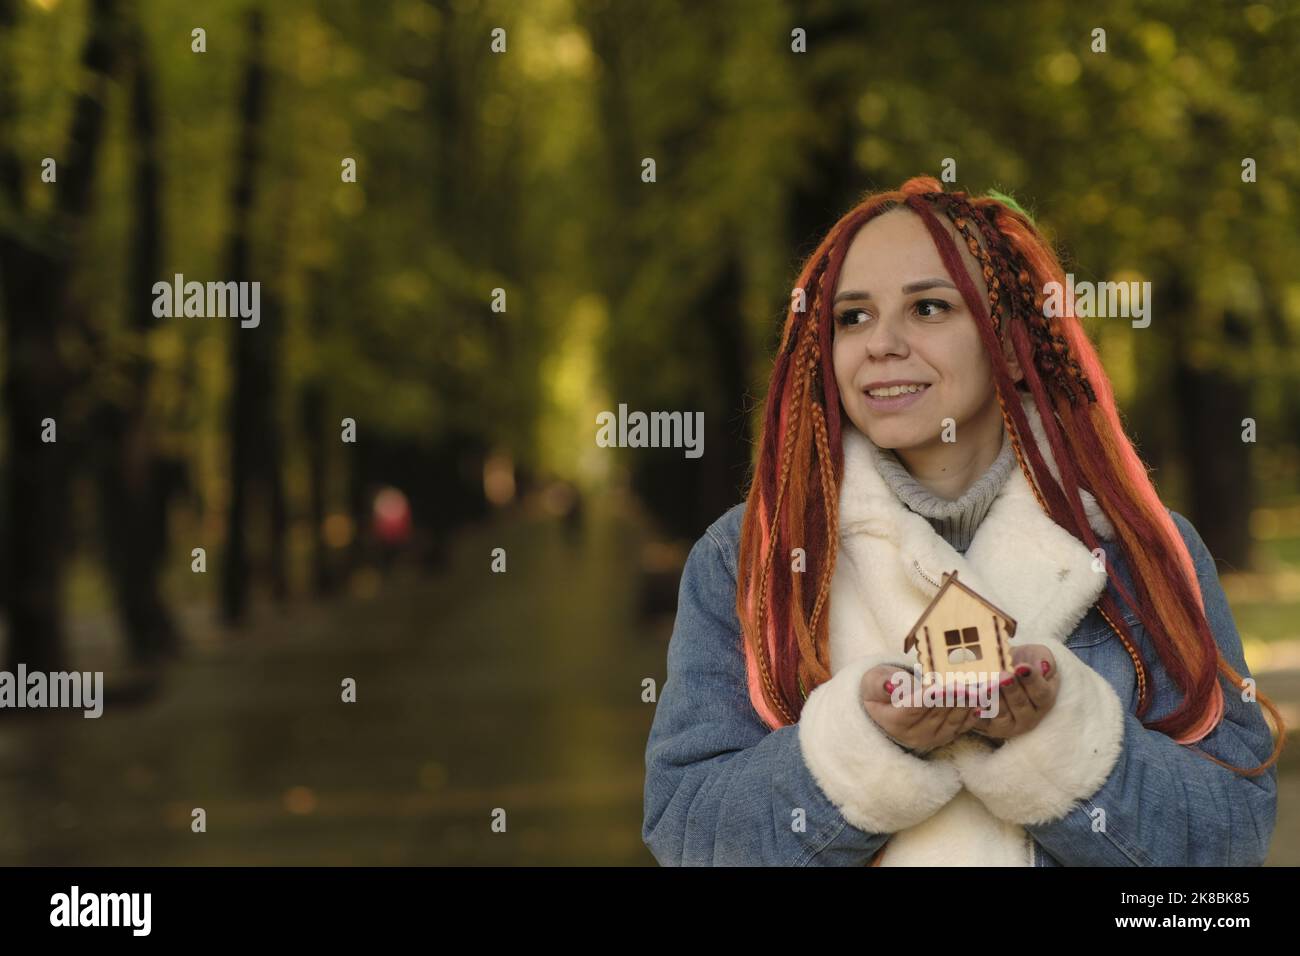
(895, 390)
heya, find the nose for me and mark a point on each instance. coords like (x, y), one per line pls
(884, 338)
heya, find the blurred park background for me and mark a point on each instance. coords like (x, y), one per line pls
(521, 171)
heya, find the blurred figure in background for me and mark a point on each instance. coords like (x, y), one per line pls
(391, 524)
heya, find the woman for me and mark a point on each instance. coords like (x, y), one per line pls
(982, 437)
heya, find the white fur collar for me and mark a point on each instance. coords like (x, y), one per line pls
(1019, 558)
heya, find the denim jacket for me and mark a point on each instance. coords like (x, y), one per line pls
(723, 789)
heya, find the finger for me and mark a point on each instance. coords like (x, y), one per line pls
(1051, 670)
(957, 718)
(1003, 721)
(1026, 653)
(912, 713)
(874, 685)
(914, 719)
(882, 681)
(978, 696)
(1038, 699)
(933, 721)
(966, 694)
(1013, 691)
(882, 715)
(984, 696)
(1003, 725)
(993, 729)
(1035, 685)
(1037, 656)
(899, 722)
(948, 734)
(885, 717)
(957, 722)
(938, 728)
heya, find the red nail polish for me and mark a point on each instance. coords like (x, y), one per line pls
(889, 687)
(1046, 667)
(1007, 682)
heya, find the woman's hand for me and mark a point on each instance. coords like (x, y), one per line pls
(919, 729)
(1023, 698)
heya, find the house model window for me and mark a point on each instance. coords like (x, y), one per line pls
(962, 646)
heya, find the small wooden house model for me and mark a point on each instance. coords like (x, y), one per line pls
(961, 632)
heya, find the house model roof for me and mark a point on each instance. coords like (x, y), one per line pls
(949, 581)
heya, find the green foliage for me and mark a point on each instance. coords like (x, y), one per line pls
(522, 171)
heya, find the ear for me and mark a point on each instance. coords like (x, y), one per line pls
(1013, 363)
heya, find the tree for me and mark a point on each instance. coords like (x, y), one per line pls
(36, 262)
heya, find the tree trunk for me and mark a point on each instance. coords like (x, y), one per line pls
(132, 491)
(245, 426)
(35, 269)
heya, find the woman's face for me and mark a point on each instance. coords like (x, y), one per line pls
(899, 318)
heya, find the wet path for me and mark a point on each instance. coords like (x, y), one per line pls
(475, 691)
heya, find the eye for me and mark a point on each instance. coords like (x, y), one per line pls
(939, 305)
(843, 318)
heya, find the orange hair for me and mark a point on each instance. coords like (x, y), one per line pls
(794, 493)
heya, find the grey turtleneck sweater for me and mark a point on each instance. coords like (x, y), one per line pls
(955, 520)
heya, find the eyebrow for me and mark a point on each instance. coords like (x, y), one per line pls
(919, 286)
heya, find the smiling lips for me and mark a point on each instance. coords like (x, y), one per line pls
(894, 390)
(894, 396)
